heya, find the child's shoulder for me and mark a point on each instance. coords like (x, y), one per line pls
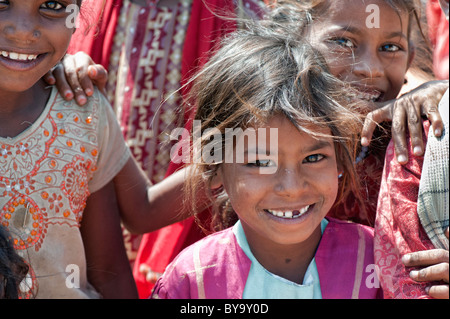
(208, 245)
(96, 112)
(215, 259)
(97, 101)
(209, 250)
(349, 228)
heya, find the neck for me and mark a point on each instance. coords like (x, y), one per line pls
(287, 261)
(18, 110)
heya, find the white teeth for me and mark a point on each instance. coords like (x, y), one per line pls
(18, 56)
(368, 96)
(289, 214)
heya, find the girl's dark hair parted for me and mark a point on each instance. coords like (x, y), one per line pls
(259, 73)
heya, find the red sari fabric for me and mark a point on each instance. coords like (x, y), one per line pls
(398, 230)
(96, 39)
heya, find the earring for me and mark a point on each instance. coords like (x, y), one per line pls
(340, 175)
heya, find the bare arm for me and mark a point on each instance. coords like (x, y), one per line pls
(108, 268)
(145, 208)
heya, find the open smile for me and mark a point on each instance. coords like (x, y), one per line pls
(289, 214)
(369, 94)
(19, 56)
(20, 61)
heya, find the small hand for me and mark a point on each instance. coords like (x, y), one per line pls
(435, 263)
(150, 276)
(76, 76)
(406, 112)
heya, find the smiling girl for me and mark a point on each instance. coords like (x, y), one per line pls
(56, 165)
(282, 246)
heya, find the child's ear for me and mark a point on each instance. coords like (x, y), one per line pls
(217, 179)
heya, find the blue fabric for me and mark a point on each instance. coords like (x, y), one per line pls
(262, 284)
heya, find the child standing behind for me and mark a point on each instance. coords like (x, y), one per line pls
(57, 162)
(282, 246)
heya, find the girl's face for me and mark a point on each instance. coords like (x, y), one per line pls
(286, 203)
(34, 36)
(365, 43)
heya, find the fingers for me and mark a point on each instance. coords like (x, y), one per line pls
(372, 120)
(432, 273)
(74, 71)
(432, 112)
(399, 122)
(406, 115)
(415, 130)
(98, 74)
(435, 262)
(61, 82)
(425, 258)
(49, 78)
(439, 292)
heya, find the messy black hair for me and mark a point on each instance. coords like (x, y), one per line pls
(13, 269)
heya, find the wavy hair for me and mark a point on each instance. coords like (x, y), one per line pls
(259, 73)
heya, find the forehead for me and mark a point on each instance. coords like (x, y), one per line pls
(286, 136)
(360, 12)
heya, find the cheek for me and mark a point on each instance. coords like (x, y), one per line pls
(244, 193)
(339, 63)
(396, 76)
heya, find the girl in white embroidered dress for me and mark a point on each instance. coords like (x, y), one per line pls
(57, 162)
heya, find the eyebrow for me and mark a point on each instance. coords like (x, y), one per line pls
(396, 35)
(320, 144)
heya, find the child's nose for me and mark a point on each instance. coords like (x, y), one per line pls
(290, 183)
(21, 30)
(368, 66)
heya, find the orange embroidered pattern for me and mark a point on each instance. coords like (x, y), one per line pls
(44, 175)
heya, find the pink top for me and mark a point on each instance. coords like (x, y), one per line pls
(217, 268)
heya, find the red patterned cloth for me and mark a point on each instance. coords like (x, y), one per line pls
(398, 230)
